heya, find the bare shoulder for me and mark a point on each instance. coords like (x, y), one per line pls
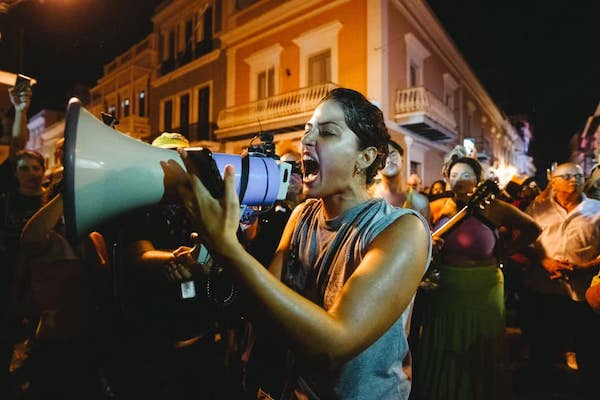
(407, 231)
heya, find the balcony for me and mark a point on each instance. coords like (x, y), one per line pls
(422, 113)
(281, 113)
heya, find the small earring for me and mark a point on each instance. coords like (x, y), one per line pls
(356, 170)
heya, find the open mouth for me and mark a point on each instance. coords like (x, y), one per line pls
(310, 170)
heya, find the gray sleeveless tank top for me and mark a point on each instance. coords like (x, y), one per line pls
(324, 255)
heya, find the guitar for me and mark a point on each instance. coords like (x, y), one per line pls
(484, 193)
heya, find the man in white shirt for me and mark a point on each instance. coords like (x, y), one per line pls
(568, 251)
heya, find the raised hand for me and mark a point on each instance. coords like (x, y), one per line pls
(20, 101)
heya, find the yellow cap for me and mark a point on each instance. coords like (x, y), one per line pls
(170, 140)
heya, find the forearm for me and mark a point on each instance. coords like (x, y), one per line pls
(316, 331)
(154, 257)
(20, 132)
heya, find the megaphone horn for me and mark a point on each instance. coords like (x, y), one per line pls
(107, 173)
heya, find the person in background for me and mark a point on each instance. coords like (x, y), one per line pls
(172, 331)
(16, 207)
(64, 353)
(414, 183)
(462, 352)
(557, 319)
(391, 188)
(332, 289)
(444, 204)
(438, 188)
(14, 136)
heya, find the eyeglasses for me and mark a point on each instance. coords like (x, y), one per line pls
(567, 177)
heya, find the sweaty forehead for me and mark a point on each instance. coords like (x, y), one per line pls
(328, 112)
(567, 169)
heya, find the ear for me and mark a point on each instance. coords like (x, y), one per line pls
(367, 157)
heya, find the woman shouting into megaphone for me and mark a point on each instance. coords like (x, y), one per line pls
(347, 266)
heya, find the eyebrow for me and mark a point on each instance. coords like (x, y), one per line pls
(323, 123)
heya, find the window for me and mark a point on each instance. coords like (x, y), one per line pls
(203, 113)
(184, 114)
(318, 48)
(170, 53)
(264, 67)
(142, 104)
(319, 68)
(188, 35)
(199, 29)
(414, 74)
(168, 115)
(266, 84)
(450, 86)
(126, 108)
(416, 54)
(415, 168)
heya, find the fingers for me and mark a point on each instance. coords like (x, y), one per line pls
(230, 196)
(177, 272)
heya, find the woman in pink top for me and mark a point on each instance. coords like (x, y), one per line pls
(461, 354)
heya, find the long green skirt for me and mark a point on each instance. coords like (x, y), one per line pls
(462, 348)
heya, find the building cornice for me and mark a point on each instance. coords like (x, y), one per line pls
(280, 18)
(205, 59)
(171, 13)
(113, 75)
(431, 30)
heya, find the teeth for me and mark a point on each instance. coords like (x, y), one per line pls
(307, 158)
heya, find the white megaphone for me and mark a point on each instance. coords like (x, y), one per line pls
(107, 173)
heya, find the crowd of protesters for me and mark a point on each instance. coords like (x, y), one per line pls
(282, 302)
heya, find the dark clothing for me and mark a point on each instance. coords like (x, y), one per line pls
(15, 210)
(8, 180)
(148, 296)
(270, 229)
(173, 347)
(265, 354)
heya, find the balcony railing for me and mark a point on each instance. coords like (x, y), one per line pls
(149, 43)
(286, 104)
(418, 101)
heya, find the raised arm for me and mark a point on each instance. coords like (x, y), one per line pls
(504, 214)
(20, 132)
(388, 275)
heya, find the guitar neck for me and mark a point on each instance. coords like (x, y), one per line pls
(441, 231)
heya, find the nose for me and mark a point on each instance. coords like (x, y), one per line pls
(309, 138)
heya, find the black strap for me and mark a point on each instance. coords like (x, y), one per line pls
(244, 177)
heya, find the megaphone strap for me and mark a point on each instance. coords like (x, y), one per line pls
(244, 177)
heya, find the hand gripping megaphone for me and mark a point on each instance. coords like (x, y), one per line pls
(107, 173)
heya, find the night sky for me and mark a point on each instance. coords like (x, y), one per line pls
(540, 58)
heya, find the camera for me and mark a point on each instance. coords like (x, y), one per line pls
(266, 147)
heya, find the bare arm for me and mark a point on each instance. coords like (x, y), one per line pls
(388, 274)
(501, 213)
(20, 132)
(174, 264)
